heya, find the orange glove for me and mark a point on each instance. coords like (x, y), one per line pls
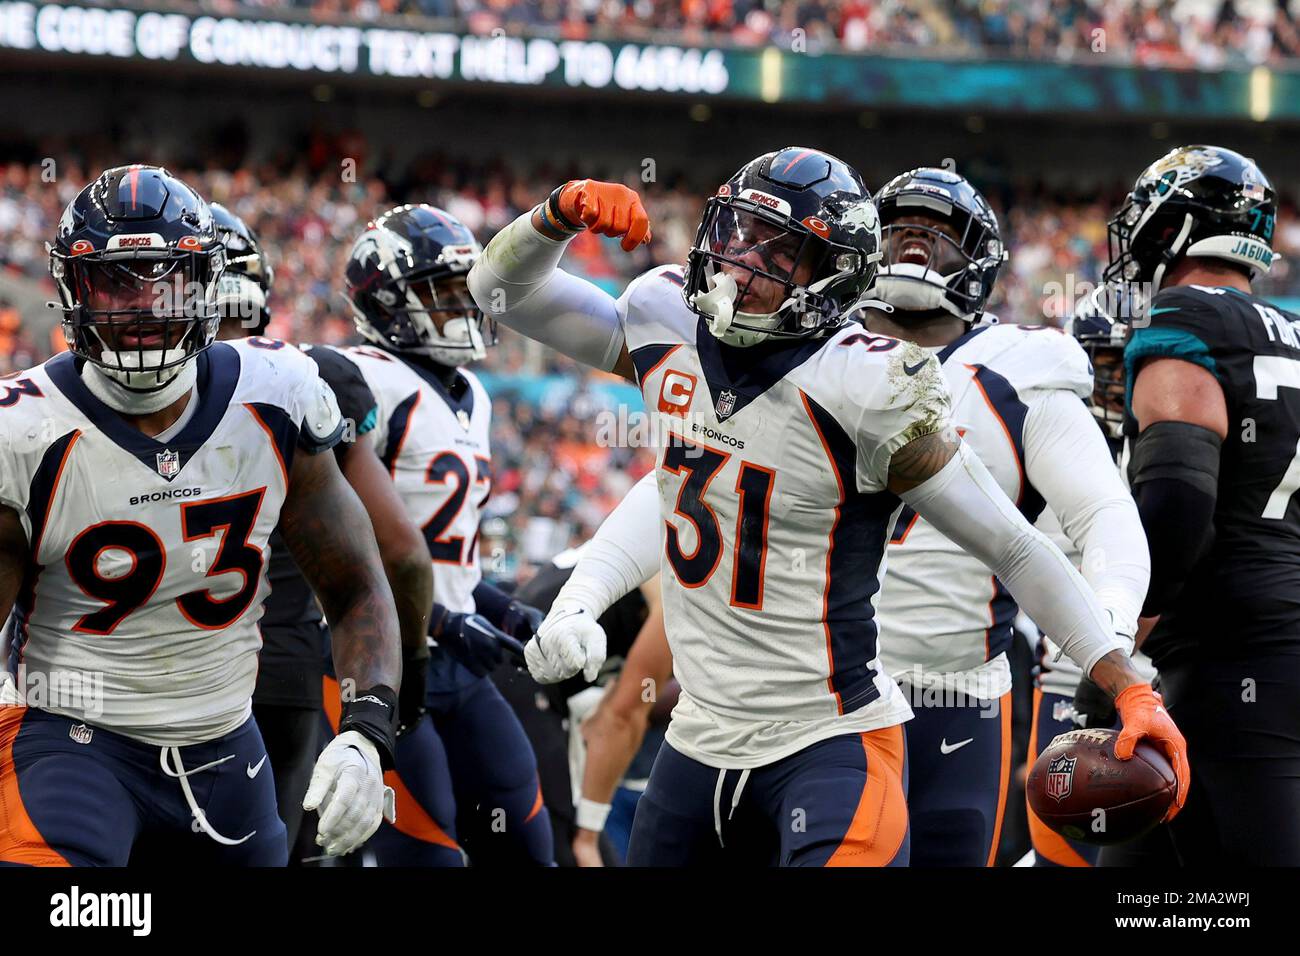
(609, 209)
(1142, 714)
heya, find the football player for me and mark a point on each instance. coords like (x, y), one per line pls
(793, 437)
(1212, 375)
(141, 475)
(470, 758)
(1016, 395)
(287, 700)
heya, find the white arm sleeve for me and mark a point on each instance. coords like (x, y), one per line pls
(623, 554)
(1068, 461)
(966, 504)
(517, 281)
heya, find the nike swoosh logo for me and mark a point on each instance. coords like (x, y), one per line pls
(947, 748)
(913, 369)
(254, 771)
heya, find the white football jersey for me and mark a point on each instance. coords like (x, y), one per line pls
(943, 616)
(772, 477)
(435, 444)
(148, 556)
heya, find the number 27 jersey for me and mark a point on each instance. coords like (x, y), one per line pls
(433, 438)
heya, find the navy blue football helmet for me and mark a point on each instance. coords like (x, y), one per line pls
(1103, 336)
(246, 284)
(136, 260)
(941, 242)
(405, 281)
(786, 249)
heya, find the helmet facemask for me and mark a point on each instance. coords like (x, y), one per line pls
(431, 314)
(937, 259)
(140, 315)
(755, 274)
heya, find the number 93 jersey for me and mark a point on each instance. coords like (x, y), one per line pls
(773, 465)
(1245, 591)
(146, 576)
(431, 431)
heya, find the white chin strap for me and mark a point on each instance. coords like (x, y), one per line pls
(719, 310)
(142, 392)
(461, 342)
(907, 289)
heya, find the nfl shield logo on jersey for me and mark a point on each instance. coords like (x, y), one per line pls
(1060, 777)
(169, 463)
(462, 416)
(81, 734)
(726, 403)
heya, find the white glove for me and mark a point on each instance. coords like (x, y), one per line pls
(347, 785)
(568, 641)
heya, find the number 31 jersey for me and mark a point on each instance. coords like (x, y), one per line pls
(433, 438)
(773, 465)
(1245, 591)
(139, 609)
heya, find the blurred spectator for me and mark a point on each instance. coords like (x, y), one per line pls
(1204, 34)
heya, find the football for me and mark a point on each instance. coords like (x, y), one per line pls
(1080, 789)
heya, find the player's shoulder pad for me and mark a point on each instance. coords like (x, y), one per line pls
(38, 427)
(876, 382)
(277, 374)
(653, 311)
(357, 402)
(1029, 357)
(1183, 322)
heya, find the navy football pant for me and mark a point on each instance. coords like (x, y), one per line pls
(465, 775)
(1051, 849)
(839, 802)
(79, 795)
(959, 767)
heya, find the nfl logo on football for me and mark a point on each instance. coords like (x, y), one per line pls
(169, 463)
(1060, 776)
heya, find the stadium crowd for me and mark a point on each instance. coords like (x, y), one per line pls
(549, 491)
(1206, 34)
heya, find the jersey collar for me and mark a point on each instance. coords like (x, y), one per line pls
(218, 373)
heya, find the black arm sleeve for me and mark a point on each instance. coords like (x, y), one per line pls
(1175, 477)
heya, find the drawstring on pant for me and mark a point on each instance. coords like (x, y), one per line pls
(181, 774)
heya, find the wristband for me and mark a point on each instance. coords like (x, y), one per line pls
(373, 714)
(558, 220)
(592, 815)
